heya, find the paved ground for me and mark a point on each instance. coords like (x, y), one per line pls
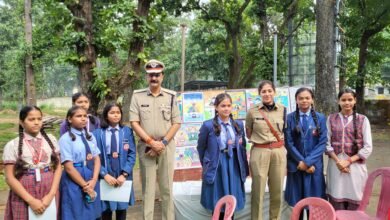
(379, 158)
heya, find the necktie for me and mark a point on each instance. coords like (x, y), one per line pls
(305, 123)
(114, 153)
(229, 140)
(88, 152)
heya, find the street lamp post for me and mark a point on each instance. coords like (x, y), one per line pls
(183, 55)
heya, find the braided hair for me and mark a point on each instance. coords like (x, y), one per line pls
(354, 116)
(71, 112)
(217, 127)
(297, 128)
(20, 163)
(76, 96)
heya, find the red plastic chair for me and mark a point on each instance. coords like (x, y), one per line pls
(230, 203)
(319, 209)
(384, 198)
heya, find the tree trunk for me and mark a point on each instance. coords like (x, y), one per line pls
(30, 82)
(83, 22)
(131, 71)
(235, 61)
(361, 72)
(325, 89)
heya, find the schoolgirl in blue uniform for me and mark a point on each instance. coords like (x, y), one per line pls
(306, 138)
(80, 196)
(222, 153)
(118, 152)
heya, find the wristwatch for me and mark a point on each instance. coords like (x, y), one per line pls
(125, 174)
(164, 141)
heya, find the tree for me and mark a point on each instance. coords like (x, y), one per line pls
(364, 21)
(31, 98)
(325, 88)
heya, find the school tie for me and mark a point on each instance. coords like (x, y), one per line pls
(114, 145)
(305, 123)
(88, 151)
(229, 140)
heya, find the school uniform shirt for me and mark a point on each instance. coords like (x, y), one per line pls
(75, 150)
(73, 202)
(10, 153)
(127, 155)
(16, 208)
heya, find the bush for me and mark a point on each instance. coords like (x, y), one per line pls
(10, 105)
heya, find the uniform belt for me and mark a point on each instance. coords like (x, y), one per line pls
(275, 144)
(80, 164)
(32, 171)
(226, 150)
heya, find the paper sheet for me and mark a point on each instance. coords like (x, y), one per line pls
(49, 214)
(115, 194)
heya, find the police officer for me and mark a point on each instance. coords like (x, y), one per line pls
(155, 118)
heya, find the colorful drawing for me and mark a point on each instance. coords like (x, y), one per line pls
(239, 104)
(193, 107)
(209, 98)
(282, 97)
(187, 134)
(186, 157)
(252, 98)
(179, 103)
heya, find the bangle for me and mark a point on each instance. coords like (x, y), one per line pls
(350, 160)
(149, 140)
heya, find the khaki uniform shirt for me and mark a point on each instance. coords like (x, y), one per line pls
(155, 114)
(261, 133)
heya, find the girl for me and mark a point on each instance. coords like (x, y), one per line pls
(82, 100)
(306, 138)
(80, 197)
(32, 167)
(116, 142)
(264, 127)
(222, 153)
(349, 145)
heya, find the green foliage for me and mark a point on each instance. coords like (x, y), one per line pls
(357, 18)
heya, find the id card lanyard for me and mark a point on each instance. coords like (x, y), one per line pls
(36, 159)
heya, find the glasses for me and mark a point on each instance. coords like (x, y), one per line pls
(151, 75)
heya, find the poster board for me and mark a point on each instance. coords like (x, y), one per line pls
(196, 107)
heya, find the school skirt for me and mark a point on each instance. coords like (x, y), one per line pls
(17, 208)
(227, 182)
(73, 202)
(112, 206)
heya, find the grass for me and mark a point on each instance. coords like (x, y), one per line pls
(3, 184)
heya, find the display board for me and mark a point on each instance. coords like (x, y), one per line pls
(196, 107)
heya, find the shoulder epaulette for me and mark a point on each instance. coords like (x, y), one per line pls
(140, 90)
(168, 91)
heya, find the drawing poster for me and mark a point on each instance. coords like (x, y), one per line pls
(179, 103)
(187, 135)
(209, 98)
(239, 104)
(282, 97)
(252, 98)
(193, 107)
(186, 158)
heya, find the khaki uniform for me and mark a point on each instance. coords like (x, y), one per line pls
(156, 115)
(266, 163)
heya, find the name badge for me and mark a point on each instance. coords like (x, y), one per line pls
(38, 175)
